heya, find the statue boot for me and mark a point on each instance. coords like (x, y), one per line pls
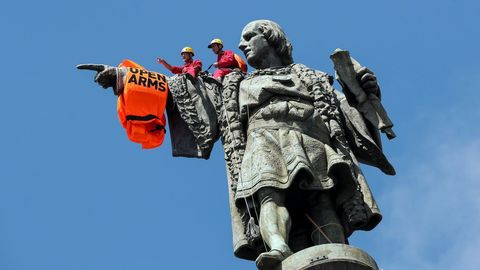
(271, 259)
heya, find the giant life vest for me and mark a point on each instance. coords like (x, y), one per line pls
(141, 105)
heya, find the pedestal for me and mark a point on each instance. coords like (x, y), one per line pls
(329, 257)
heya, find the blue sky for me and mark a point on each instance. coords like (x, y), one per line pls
(76, 194)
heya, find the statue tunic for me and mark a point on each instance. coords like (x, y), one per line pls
(284, 136)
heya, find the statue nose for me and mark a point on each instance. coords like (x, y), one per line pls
(242, 45)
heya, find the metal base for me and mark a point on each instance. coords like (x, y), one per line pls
(329, 257)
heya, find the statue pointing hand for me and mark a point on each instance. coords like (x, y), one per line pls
(107, 76)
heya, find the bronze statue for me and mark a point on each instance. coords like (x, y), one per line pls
(292, 144)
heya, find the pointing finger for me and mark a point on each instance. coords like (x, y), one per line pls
(94, 67)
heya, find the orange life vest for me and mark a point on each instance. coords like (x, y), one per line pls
(141, 105)
(241, 63)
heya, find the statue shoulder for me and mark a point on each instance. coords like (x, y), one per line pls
(312, 76)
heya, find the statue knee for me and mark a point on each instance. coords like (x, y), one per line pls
(269, 194)
(320, 199)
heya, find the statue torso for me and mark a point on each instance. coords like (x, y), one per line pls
(258, 89)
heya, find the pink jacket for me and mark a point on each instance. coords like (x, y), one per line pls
(226, 62)
(192, 67)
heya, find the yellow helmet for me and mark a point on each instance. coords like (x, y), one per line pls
(215, 41)
(187, 49)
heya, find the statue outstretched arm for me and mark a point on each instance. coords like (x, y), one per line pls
(191, 115)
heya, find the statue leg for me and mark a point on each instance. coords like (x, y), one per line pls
(275, 226)
(325, 222)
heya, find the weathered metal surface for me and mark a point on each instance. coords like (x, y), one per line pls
(329, 257)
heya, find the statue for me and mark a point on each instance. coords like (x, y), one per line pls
(292, 145)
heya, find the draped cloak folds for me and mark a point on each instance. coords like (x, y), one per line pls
(201, 110)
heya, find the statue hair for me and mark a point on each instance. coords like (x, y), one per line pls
(276, 38)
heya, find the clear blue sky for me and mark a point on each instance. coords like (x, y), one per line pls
(75, 194)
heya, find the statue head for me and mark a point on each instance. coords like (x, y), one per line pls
(265, 44)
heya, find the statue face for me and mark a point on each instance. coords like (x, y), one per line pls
(254, 45)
